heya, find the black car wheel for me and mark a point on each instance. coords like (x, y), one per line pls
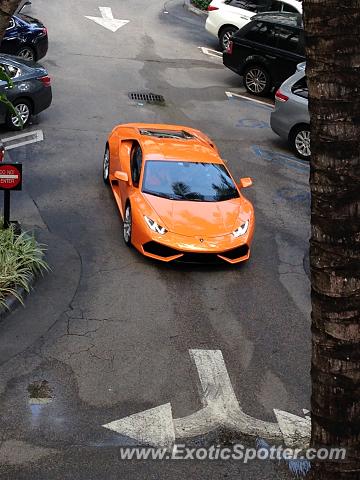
(257, 81)
(127, 225)
(225, 36)
(106, 165)
(24, 109)
(300, 142)
(27, 53)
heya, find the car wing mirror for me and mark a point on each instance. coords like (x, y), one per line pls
(245, 182)
(123, 176)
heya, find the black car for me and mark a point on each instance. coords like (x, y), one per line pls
(26, 37)
(30, 94)
(266, 51)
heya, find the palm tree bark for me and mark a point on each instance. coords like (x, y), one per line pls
(333, 71)
(7, 9)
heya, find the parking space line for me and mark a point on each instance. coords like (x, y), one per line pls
(31, 137)
(250, 99)
(211, 52)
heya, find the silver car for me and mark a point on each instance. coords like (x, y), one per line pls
(290, 119)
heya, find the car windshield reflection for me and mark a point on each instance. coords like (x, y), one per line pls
(191, 181)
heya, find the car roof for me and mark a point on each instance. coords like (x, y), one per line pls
(280, 18)
(189, 146)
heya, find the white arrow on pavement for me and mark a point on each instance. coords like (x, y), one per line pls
(107, 19)
(221, 408)
(211, 52)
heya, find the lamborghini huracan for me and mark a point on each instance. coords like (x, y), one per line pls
(175, 195)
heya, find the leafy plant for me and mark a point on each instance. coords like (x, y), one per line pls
(21, 257)
(3, 98)
(202, 4)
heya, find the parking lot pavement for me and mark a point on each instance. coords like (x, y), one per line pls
(121, 344)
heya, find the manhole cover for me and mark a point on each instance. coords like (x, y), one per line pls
(146, 97)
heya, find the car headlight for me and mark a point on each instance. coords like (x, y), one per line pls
(241, 230)
(155, 227)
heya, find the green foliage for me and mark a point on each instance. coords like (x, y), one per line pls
(3, 98)
(202, 4)
(21, 257)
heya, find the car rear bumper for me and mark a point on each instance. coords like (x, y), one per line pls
(41, 45)
(229, 62)
(211, 26)
(280, 124)
(42, 99)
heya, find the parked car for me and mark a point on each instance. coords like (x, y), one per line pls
(25, 37)
(266, 51)
(176, 196)
(290, 119)
(225, 17)
(30, 94)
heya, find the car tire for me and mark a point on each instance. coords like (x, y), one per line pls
(27, 53)
(257, 80)
(106, 165)
(300, 142)
(127, 225)
(24, 108)
(225, 36)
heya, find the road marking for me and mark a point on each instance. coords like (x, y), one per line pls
(280, 158)
(33, 137)
(210, 52)
(221, 408)
(249, 99)
(107, 19)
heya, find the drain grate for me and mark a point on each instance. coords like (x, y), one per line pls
(146, 97)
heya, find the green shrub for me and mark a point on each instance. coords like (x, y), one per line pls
(21, 257)
(202, 4)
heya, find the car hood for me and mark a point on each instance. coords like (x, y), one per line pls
(190, 218)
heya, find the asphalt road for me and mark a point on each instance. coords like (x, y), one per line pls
(109, 330)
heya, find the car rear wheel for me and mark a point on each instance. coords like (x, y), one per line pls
(225, 36)
(24, 110)
(127, 225)
(300, 142)
(106, 165)
(27, 53)
(257, 81)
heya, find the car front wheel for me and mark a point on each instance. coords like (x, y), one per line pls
(127, 225)
(23, 108)
(300, 142)
(257, 81)
(106, 165)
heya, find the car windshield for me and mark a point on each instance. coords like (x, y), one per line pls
(195, 181)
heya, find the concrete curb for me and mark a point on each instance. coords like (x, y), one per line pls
(192, 8)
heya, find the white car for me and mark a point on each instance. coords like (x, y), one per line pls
(227, 16)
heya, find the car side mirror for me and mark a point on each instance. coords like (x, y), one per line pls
(245, 182)
(123, 176)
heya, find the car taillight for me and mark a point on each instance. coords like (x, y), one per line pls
(46, 81)
(281, 97)
(211, 8)
(45, 31)
(229, 48)
(2, 152)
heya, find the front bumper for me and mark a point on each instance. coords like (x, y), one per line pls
(174, 247)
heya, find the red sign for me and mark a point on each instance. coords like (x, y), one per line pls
(10, 176)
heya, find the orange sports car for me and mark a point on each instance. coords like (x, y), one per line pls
(176, 197)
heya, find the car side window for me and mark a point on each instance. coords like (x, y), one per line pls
(262, 33)
(250, 5)
(300, 88)
(288, 8)
(287, 39)
(136, 164)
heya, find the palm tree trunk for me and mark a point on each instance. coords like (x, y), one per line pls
(333, 73)
(7, 8)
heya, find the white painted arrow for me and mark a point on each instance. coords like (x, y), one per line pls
(249, 99)
(107, 19)
(221, 408)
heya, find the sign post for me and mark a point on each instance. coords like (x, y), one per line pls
(10, 179)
